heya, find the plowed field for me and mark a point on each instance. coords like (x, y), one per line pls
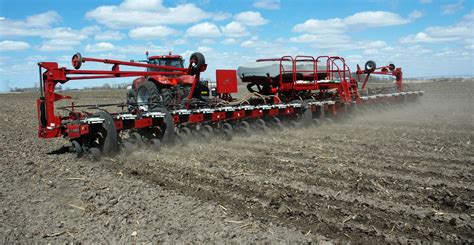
(398, 175)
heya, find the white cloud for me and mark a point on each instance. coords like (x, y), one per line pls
(180, 41)
(33, 25)
(8, 45)
(153, 32)
(375, 19)
(142, 4)
(141, 49)
(267, 4)
(65, 38)
(250, 18)
(254, 44)
(99, 47)
(235, 29)
(332, 34)
(65, 33)
(229, 41)
(109, 36)
(221, 16)
(40, 25)
(376, 44)
(460, 31)
(452, 8)
(262, 48)
(335, 25)
(58, 45)
(207, 41)
(133, 13)
(357, 20)
(204, 49)
(337, 41)
(205, 30)
(416, 14)
(326, 41)
(43, 19)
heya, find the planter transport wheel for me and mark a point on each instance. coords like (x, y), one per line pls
(76, 61)
(370, 66)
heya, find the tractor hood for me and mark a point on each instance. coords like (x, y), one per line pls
(183, 79)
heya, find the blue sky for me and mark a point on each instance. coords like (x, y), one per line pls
(424, 37)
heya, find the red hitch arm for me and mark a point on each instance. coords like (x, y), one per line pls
(389, 70)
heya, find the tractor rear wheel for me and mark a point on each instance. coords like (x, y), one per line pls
(149, 96)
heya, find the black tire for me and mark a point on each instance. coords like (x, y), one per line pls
(244, 124)
(276, 123)
(228, 126)
(391, 67)
(137, 139)
(294, 124)
(227, 134)
(261, 125)
(95, 154)
(110, 140)
(77, 148)
(155, 144)
(196, 60)
(166, 97)
(185, 132)
(128, 147)
(148, 95)
(206, 137)
(370, 66)
(131, 100)
(307, 117)
(244, 127)
(76, 61)
(317, 122)
(184, 92)
(276, 120)
(181, 141)
(208, 129)
(169, 131)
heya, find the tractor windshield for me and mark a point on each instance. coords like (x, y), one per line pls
(176, 62)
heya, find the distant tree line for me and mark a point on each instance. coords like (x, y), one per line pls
(105, 86)
(118, 86)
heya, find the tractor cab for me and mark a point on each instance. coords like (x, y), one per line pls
(165, 60)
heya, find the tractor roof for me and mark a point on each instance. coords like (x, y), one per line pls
(165, 57)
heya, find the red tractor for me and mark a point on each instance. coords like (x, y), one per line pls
(174, 88)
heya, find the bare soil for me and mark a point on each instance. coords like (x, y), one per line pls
(404, 174)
